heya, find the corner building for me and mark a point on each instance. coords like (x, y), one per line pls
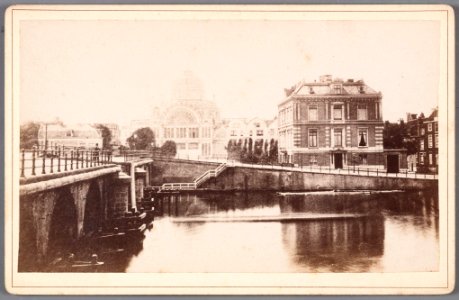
(332, 123)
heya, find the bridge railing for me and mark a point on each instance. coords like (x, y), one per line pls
(130, 155)
(351, 170)
(38, 161)
(179, 186)
(360, 170)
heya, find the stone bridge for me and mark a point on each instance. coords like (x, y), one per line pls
(61, 209)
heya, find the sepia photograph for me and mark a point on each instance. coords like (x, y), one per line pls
(255, 149)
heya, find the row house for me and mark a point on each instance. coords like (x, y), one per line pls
(424, 132)
(333, 123)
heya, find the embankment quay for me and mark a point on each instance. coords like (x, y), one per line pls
(77, 216)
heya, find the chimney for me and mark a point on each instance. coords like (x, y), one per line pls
(325, 78)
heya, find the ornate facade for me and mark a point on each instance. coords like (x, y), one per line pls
(331, 123)
(195, 125)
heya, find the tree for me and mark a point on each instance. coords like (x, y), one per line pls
(142, 139)
(106, 135)
(169, 148)
(29, 135)
(396, 136)
(273, 151)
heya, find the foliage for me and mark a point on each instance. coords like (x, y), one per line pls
(29, 135)
(396, 136)
(106, 135)
(142, 139)
(249, 151)
(169, 148)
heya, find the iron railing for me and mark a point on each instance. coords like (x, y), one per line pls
(197, 182)
(358, 170)
(38, 161)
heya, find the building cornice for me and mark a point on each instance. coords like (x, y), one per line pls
(333, 97)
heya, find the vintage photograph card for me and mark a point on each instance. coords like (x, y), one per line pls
(229, 149)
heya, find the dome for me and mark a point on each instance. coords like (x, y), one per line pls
(188, 87)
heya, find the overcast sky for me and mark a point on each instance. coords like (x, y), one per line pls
(116, 71)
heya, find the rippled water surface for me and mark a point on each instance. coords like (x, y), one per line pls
(270, 232)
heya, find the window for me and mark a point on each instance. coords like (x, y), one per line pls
(313, 160)
(69, 133)
(312, 138)
(233, 132)
(260, 132)
(421, 158)
(338, 137)
(423, 131)
(193, 132)
(362, 112)
(337, 112)
(181, 146)
(421, 145)
(337, 88)
(436, 140)
(436, 127)
(430, 159)
(312, 113)
(250, 133)
(206, 132)
(193, 146)
(205, 149)
(363, 138)
(181, 132)
(429, 127)
(430, 142)
(363, 160)
(168, 133)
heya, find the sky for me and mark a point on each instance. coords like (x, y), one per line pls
(118, 70)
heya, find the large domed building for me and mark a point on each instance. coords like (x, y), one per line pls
(193, 122)
(190, 120)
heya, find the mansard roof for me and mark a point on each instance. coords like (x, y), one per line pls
(327, 86)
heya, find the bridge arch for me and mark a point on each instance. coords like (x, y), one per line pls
(63, 230)
(93, 210)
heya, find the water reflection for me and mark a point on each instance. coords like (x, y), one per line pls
(362, 232)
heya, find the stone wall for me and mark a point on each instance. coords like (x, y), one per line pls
(249, 179)
(174, 171)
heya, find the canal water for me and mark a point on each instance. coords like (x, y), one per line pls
(290, 232)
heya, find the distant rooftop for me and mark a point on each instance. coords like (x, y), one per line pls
(327, 85)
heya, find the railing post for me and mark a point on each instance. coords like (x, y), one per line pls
(22, 163)
(51, 166)
(71, 159)
(87, 159)
(59, 159)
(91, 157)
(65, 161)
(33, 161)
(76, 159)
(44, 161)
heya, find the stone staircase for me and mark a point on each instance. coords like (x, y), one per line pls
(196, 183)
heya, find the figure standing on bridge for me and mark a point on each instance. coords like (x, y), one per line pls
(96, 153)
